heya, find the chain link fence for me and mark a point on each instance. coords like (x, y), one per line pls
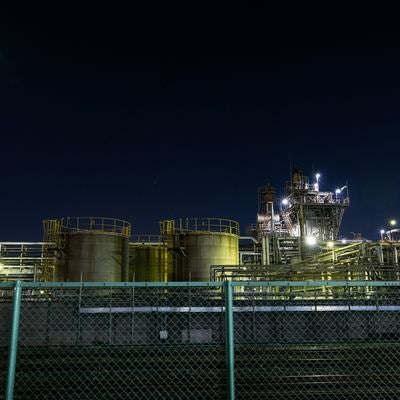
(294, 342)
(254, 340)
(6, 295)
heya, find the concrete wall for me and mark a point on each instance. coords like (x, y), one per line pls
(51, 324)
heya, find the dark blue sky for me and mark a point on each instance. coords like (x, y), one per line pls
(154, 113)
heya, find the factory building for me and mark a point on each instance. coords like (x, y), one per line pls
(295, 237)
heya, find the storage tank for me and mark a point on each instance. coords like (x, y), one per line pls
(95, 249)
(149, 261)
(206, 242)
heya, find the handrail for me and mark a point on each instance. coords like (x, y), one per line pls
(95, 224)
(208, 224)
(146, 239)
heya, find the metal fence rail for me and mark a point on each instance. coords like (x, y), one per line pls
(275, 340)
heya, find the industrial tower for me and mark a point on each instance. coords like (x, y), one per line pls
(305, 216)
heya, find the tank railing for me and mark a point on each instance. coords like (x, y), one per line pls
(208, 225)
(96, 224)
(146, 238)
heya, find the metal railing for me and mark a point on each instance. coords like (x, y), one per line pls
(21, 260)
(90, 224)
(208, 225)
(146, 239)
(200, 340)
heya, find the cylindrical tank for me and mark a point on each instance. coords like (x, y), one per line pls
(207, 242)
(96, 257)
(95, 249)
(149, 263)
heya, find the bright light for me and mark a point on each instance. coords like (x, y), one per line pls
(393, 222)
(311, 241)
(41, 291)
(285, 202)
(330, 244)
(337, 191)
(344, 241)
(382, 231)
(316, 185)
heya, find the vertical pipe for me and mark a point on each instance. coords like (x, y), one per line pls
(229, 342)
(380, 255)
(301, 224)
(13, 345)
(263, 252)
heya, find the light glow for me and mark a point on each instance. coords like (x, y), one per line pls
(393, 222)
(311, 241)
(330, 244)
(285, 202)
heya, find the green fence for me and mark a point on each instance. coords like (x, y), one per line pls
(253, 340)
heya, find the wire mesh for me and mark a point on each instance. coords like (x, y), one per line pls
(153, 341)
(5, 323)
(338, 343)
(121, 343)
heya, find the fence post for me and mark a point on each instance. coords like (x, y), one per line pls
(229, 340)
(13, 344)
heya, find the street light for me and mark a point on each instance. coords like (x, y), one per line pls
(382, 231)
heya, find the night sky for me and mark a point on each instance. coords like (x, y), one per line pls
(153, 113)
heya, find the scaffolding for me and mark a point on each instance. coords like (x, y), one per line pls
(22, 261)
(53, 240)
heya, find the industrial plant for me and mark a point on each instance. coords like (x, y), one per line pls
(295, 237)
(287, 308)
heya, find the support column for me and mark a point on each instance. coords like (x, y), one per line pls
(229, 340)
(13, 344)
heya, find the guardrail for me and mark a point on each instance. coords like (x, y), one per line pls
(208, 225)
(91, 224)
